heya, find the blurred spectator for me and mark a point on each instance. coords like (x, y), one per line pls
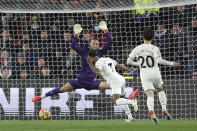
(64, 66)
(24, 74)
(5, 59)
(5, 72)
(87, 19)
(45, 19)
(106, 17)
(181, 15)
(25, 36)
(67, 36)
(70, 24)
(44, 35)
(35, 25)
(5, 36)
(179, 39)
(21, 63)
(72, 65)
(65, 43)
(17, 42)
(36, 72)
(21, 59)
(44, 44)
(30, 53)
(167, 48)
(162, 41)
(192, 46)
(5, 39)
(46, 73)
(9, 20)
(58, 63)
(192, 12)
(23, 23)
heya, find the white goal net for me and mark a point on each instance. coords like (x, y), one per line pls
(36, 55)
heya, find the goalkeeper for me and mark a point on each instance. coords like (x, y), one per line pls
(85, 78)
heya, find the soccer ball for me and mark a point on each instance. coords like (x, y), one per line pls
(44, 114)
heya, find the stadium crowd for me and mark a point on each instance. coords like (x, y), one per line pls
(37, 46)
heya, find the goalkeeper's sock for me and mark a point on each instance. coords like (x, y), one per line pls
(162, 99)
(123, 101)
(150, 103)
(52, 92)
(127, 112)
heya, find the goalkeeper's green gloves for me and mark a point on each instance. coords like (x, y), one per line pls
(103, 26)
(77, 29)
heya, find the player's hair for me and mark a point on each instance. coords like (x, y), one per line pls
(148, 34)
(68, 31)
(92, 53)
(94, 39)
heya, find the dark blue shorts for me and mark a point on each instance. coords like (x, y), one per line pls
(88, 85)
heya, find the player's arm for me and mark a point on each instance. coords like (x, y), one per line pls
(103, 26)
(161, 61)
(74, 46)
(132, 55)
(94, 69)
(123, 67)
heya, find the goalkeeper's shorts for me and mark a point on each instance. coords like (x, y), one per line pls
(85, 84)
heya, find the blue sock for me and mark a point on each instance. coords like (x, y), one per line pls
(53, 92)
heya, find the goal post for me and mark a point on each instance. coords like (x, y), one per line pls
(75, 6)
(36, 56)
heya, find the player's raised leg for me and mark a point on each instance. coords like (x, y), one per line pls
(118, 91)
(122, 101)
(131, 96)
(125, 104)
(55, 91)
(163, 102)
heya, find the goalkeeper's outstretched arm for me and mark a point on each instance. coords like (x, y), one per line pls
(74, 46)
(103, 27)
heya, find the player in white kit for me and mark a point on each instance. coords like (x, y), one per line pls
(148, 57)
(106, 67)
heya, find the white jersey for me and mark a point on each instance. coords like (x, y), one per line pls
(148, 57)
(107, 69)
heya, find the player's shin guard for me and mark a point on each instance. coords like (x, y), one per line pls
(162, 99)
(52, 92)
(150, 103)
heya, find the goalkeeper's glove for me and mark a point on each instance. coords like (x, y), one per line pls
(103, 26)
(77, 28)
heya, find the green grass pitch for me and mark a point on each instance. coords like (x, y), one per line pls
(97, 125)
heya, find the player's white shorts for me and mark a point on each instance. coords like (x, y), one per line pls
(151, 82)
(117, 86)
